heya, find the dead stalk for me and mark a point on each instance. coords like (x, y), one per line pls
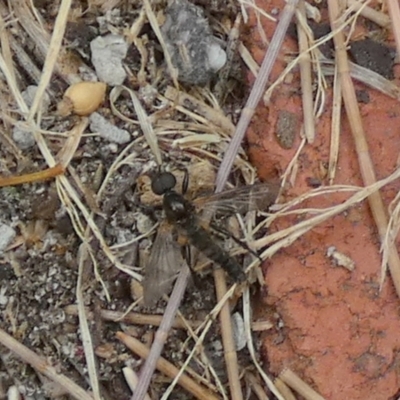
(162, 334)
(40, 365)
(305, 75)
(379, 18)
(364, 159)
(135, 318)
(394, 13)
(231, 361)
(256, 386)
(48, 173)
(335, 127)
(166, 368)
(284, 389)
(298, 385)
(256, 94)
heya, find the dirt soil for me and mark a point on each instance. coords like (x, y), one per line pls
(339, 331)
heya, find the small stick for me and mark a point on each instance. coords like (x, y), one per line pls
(41, 365)
(305, 75)
(134, 318)
(335, 127)
(256, 94)
(378, 17)
(256, 386)
(284, 389)
(162, 334)
(394, 13)
(48, 173)
(230, 355)
(297, 384)
(364, 159)
(166, 368)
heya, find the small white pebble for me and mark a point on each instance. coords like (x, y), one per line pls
(29, 94)
(22, 138)
(239, 334)
(108, 131)
(7, 234)
(107, 55)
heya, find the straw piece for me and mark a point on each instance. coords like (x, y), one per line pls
(230, 355)
(364, 159)
(212, 115)
(84, 326)
(256, 94)
(379, 18)
(48, 173)
(305, 75)
(335, 127)
(162, 334)
(135, 318)
(41, 365)
(297, 384)
(166, 368)
(284, 389)
(394, 13)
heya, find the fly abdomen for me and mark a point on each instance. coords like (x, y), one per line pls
(201, 239)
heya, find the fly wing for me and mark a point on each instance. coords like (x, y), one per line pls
(259, 197)
(164, 264)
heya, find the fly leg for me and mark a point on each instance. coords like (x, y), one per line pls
(241, 243)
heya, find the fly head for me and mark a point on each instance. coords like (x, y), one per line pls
(163, 183)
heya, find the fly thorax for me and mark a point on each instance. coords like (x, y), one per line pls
(176, 207)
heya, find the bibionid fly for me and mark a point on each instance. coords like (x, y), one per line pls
(183, 220)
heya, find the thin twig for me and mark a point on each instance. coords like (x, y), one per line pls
(379, 18)
(135, 318)
(256, 94)
(162, 334)
(166, 368)
(297, 384)
(335, 127)
(41, 365)
(305, 75)
(364, 159)
(394, 13)
(230, 355)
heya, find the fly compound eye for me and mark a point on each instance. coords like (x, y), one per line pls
(162, 183)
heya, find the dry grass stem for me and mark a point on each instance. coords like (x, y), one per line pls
(162, 334)
(250, 345)
(51, 56)
(373, 15)
(284, 389)
(335, 128)
(285, 236)
(135, 318)
(216, 117)
(48, 173)
(156, 29)
(366, 76)
(394, 14)
(365, 162)
(41, 366)
(143, 119)
(166, 368)
(230, 355)
(132, 380)
(256, 94)
(305, 74)
(256, 387)
(84, 326)
(298, 385)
